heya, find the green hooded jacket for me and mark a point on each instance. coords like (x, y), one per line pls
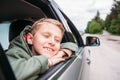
(24, 64)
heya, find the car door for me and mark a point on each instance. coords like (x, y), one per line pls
(73, 68)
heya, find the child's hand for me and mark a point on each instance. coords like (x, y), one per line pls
(59, 57)
(66, 53)
(56, 59)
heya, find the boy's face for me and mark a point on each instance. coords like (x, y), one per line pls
(46, 40)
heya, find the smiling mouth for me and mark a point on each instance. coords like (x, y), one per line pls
(48, 49)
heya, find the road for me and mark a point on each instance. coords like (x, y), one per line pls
(105, 59)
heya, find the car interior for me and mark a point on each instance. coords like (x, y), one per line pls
(6, 72)
(16, 27)
(12, 21)
(18, 9)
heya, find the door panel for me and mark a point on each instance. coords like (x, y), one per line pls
(85, 65)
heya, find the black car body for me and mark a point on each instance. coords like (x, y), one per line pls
(75, 68)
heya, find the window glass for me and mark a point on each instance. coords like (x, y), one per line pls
(73, 31)
(4, 31)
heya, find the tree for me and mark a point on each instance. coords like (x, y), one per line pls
(112, 22)
(95, 25)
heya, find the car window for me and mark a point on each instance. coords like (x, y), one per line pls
(72, 33)
(76, 35)
(4, 32)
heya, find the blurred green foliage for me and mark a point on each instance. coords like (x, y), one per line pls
(111, 23)
(95, 26)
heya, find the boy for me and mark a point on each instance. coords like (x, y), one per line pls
(38, 48)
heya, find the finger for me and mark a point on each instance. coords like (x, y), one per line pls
(60, 60)
(60, 54)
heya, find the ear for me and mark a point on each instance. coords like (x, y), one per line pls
(29, 38)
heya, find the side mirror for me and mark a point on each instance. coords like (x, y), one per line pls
(92, 41)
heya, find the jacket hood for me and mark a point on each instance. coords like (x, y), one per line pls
(20, 42)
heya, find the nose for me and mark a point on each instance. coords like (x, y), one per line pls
(52, 42)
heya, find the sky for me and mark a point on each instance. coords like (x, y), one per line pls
(82, 11)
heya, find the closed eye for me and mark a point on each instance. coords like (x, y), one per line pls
(58, 40)
(46, 35)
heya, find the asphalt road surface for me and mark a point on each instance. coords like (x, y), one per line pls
(105, 59)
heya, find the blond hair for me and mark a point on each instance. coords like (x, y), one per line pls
(39, 22)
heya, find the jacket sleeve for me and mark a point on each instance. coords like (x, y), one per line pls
(69, 48)
(25, 69)
(69, 45)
